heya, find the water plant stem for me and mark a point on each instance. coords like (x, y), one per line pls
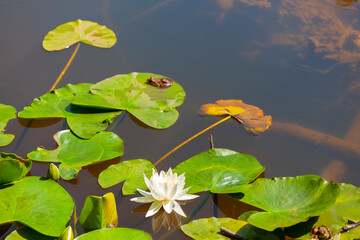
(188, 140)
(348, 228)
(230, 234)
(66, 67)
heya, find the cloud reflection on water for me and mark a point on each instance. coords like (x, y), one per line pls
(322, 27)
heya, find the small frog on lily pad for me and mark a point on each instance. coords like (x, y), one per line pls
(160, 82)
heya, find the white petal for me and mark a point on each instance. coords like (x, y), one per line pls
(157, 196)
(178, 209)
(187, 197)
(147, 181)
(181, 193)
(144, 193)
(154, 208)
(172, 192)
(168, 206)
(143, 199)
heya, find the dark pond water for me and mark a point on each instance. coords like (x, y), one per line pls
(295, 59)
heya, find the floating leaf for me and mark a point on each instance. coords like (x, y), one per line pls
(37, 203)
(7, 112)
(346, 208)
(74, 152)
(12, 167)
(251, 117)
(28, 234)
(115, 233)
(67, 34)
(99, 212)
(84, 122)
(220, 171)
(209, 228)
(289, 200)
(152, 105)
(132, 171)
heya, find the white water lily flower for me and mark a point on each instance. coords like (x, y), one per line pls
(165, 190)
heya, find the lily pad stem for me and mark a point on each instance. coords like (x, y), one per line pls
(226, 232)
(188, 140)
(66, 67)
(348, 228)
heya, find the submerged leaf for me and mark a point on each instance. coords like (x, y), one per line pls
(251, 117)
(74, 152)
(132, 171)
(7, 112)
(131, 92)
(209, 228)
(289, 200)
(115, 233)
(37, 203)
(99, 212)
(67, 34)
(84, 122)
(220, 171)
(12, 167)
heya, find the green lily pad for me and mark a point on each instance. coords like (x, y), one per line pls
(220, 171)
(42, 205)
(74, 152)
(99, 212)
(67, 34)
(209, 228)
(345, 209)
(28, 234)
(132, 171)
(289, 200)
(115, 233)
(12, 167)
(7, 112)
(152, 105)
(84, 122)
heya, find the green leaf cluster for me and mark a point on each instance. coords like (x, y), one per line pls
(7, 113)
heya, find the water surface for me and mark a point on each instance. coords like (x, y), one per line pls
(295, 59)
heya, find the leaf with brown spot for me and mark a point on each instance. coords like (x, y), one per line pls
(252, 118)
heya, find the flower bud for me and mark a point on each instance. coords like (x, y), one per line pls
(53, 172)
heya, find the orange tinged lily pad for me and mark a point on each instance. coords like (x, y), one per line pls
(252, 118)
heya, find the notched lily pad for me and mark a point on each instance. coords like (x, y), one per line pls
(12, 167)
(132, 171)
(131, 92)
(346, 209)
(220, 171)
(209, 228)
(7, 113)
(99, 212)
(252, 118)
(74, 152)
(42, 205)
(67, 34)
(289, 200)
(84, 122)
(115, 233)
